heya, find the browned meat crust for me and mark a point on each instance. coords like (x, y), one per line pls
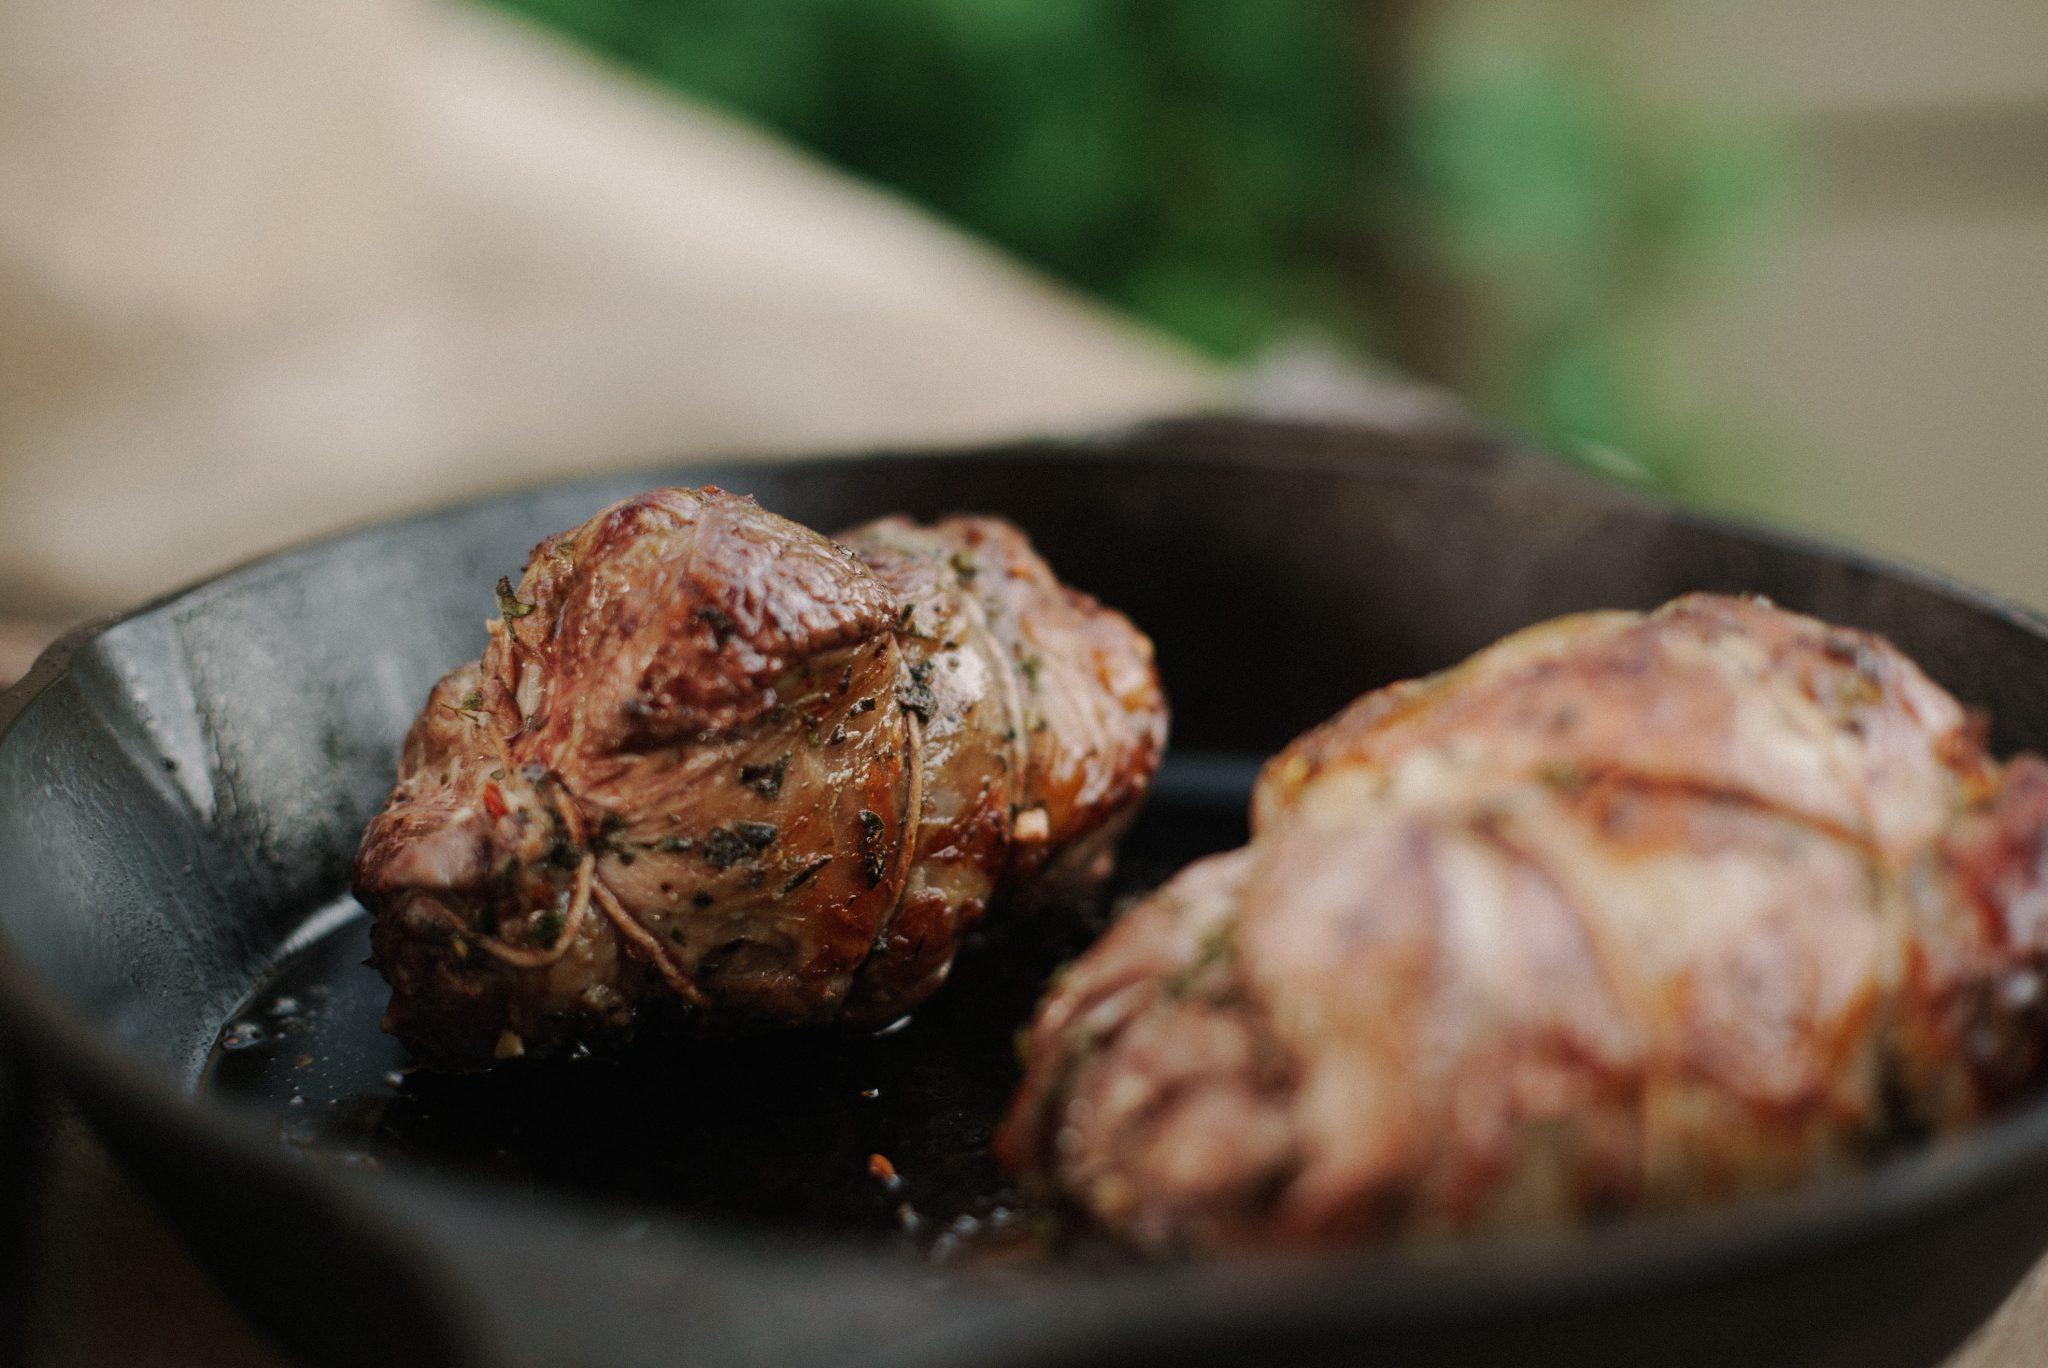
(1626, 911)
(717, 773)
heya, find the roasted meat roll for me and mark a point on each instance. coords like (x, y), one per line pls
(716, 773)
(1627, 912)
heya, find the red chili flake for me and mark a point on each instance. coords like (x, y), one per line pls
(494, 801)
(882, 1171)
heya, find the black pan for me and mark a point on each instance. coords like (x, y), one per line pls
(181, 792)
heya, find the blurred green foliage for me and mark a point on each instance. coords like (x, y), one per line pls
(1572, 209)
(1234, 170)
(1190, 162)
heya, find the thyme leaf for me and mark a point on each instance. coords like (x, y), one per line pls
(806, 874)
(721, 624)
(873, 861)
(765, 780)
(509, 604)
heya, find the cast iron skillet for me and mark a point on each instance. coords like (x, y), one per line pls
(181, 789)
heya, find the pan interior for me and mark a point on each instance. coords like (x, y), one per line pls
(775, 1133)
(180, 801)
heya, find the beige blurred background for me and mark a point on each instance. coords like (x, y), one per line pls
(268, 268)
(1894, 338)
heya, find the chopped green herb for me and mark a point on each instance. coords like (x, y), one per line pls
(723, 848)
(1215, 948)
(916, 695)
(806, 874)
(547, 926)
(963, 565)
(917, 699)
(721, 625)
(474, 701)
(675, 845)
(509, 604)
(873, 861)
(1031, 665)
(765, 780)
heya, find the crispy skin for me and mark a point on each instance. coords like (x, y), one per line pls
(715, 773)
(1627, 911)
